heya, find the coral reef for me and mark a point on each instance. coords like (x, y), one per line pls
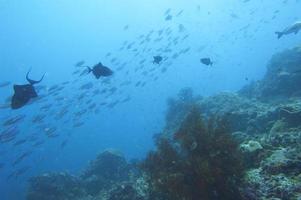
(108, 177)
(54, 186)
(108, 168)
(282, 80)
(178, 108)
(125, 192)
(200, 157)
(202, 162)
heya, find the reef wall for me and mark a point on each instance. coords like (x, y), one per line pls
(108, 177)
(264, 118)
(282, 79)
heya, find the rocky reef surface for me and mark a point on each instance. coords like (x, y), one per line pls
(282, 79)
(264, 118)
(108, 177)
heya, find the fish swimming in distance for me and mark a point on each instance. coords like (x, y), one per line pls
(80, 63)
(294, 28)
(168, 18)
(206, 61)
(157, 60)
(13, 120)
(23, 93)
(100, 70)
(4, 84)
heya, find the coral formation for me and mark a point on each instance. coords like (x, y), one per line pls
(109, 167)
(197, 156)
(54, 186)
(125, 192)
(178, 107)
(282, 80)
(108, 177)
(206, 164)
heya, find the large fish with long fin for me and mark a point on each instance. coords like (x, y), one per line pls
(23, 93)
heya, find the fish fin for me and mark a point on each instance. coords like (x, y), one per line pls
(89, 69)
(86, 71)
(279, 34)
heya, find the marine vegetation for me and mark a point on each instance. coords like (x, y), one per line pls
(201, 162)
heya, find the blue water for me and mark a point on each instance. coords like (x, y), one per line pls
(50, 36)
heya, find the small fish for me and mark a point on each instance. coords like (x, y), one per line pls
(206, 61)
(86, 86)
(9, 134)
(80, 113)
(38, 143)
(78, 124)
(80, 63)
(21, 171)
(53, 88)
(181, 28)
(157, 60)
(92, 106)
(179, 13)
(167, 11)
(46, 107)
(126, 99)
(126, 27)
(163, 70)
(234, 16)
(64, 143)
(19, 142)
(112, 104)
(50, 131)
(4, 106)
(295, 28)
(21, 157)
(168, 18)
(23, 93)
(14, 120)
(4, 84)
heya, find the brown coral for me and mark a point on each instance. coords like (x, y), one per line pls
(202, 161)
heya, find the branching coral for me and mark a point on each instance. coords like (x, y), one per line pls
(201, 162)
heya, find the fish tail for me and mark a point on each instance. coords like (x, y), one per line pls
(279, 34)
(89, 69)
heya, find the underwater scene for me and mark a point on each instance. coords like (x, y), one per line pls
(150, 100)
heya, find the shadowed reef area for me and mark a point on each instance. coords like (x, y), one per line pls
(244, 145)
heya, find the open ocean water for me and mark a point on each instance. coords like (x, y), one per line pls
(151, 49)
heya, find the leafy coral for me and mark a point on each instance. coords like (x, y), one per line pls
(202, 161)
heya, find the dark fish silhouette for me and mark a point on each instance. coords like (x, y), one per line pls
(9, 134)
(4, 84)
(295, 28)
(100, 70)
(157, 59)
(23, 93)
(206, 61)
(13, 120)
(168, 18)
(80, 63)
